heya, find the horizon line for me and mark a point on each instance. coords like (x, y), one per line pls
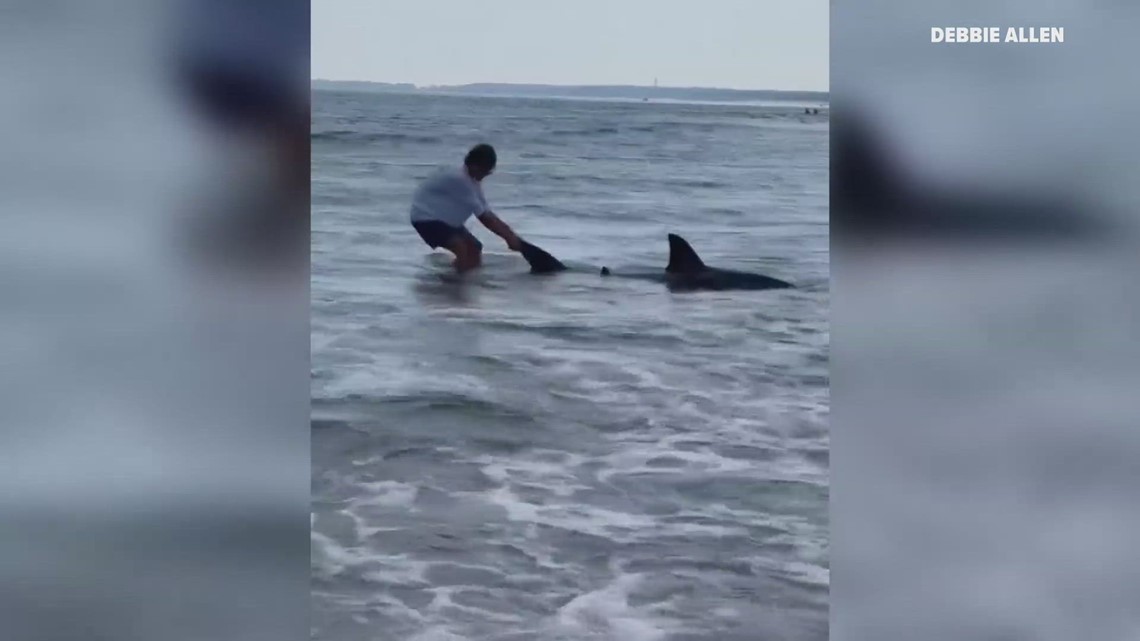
(554, 84)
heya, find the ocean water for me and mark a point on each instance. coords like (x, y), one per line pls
(516, 457)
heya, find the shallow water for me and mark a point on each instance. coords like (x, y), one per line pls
(570, 457)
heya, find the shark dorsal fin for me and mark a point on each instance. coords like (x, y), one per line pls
(682, 258)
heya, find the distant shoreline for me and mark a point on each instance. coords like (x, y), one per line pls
(624, 92)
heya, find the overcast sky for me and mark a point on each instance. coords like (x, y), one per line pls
(743, 44)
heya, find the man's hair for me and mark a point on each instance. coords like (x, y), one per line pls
(482, 155)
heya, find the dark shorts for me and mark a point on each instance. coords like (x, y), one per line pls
(437, 234)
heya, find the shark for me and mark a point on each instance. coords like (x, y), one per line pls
(685, 270)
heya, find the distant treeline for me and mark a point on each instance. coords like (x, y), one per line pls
(353, 85)
(587, 91)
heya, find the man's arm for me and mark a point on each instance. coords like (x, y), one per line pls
(500, 229)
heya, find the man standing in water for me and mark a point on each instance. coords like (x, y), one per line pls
(443, 203)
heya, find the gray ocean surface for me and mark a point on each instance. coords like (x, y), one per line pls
(570, 457)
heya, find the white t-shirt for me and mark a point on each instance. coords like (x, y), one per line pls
(450, 196)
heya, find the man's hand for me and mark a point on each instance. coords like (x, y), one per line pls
(501, 229)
